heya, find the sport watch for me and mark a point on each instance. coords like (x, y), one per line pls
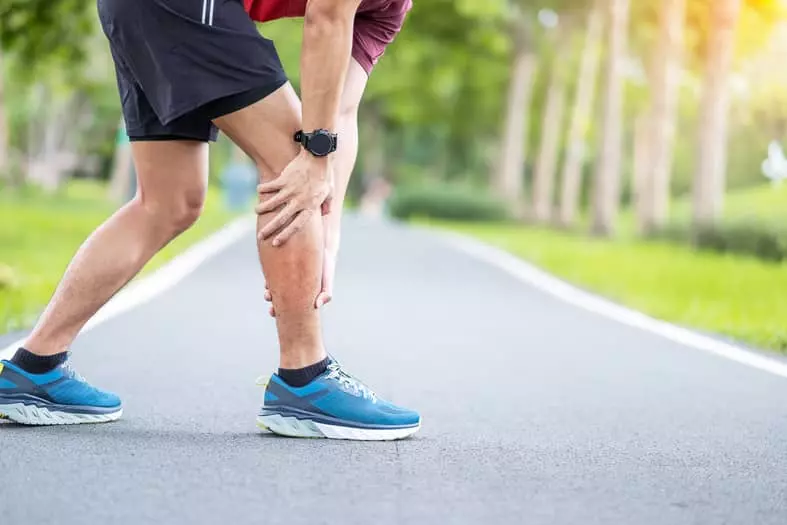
(319, 143)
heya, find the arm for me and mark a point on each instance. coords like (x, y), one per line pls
(327, 44)
(306, 184)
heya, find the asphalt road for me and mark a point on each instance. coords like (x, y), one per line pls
(534, 412)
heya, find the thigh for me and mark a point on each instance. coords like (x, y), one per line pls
(171, 171)
(376, 26)
(266, 129)
(184, 54)
(354, 87)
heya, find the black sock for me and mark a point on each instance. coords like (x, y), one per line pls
(38, 364)
(299, 377)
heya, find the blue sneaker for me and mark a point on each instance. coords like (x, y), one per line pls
(336, 406)
(59, 397)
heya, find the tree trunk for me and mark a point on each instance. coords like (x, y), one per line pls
(580, 120)
(665, 92)
(509, 178)
(606, 190)
(640, 169)
(544, 177)
(122, 167)
(709, 179)
(4, 147)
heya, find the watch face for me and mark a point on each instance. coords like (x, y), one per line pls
(320, 144)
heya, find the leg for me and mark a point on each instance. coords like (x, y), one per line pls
(344, 163)
(172, 180)
(264, 131)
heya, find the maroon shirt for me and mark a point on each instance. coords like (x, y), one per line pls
(376, 24)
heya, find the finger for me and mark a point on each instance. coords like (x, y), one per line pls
(294, 227)
(272, 204)
(271, 186)
(278, 222)
(327, 206)
(322, 299)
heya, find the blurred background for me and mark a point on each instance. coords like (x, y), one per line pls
(630, 146)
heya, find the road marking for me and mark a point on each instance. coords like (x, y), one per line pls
(533, 276)
(143, 290)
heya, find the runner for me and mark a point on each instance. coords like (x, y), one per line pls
(186, 69)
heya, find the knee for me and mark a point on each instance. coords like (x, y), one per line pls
(176, 213)
(188, 210)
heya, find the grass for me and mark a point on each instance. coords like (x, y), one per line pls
(740, 297)
(40, 233)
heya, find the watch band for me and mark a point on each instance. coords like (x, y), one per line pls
(328, 141)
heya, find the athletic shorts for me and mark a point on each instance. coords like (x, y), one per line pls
(182, 63)
(376, 24)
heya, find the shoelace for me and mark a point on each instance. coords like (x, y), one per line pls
(350, 383)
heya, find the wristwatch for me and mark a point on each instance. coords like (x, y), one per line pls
(319, 143)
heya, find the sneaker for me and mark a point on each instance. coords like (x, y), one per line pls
(335, 406)
(59, 397)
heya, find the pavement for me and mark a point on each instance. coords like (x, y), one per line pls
(534, 411)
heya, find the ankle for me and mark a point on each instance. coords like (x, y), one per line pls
(43, 345)
(300, 377)
(38, 364)
(302, 358)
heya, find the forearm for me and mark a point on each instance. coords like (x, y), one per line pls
(343, 164)
(327, 44)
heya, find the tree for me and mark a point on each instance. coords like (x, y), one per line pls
(606, 189)
(43, 37)
(653, 194)
(709, 178)
(509, 180)
(576, 146)
(4, 135)
(549, 151)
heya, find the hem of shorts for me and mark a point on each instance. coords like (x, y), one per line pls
(141, 137)
(272, 85)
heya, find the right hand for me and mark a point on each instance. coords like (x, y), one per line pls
(304, 188)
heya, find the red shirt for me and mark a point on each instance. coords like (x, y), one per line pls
(267, 10)
(376, 24)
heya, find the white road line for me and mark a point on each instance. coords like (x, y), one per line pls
(146, 288)
(530, 275)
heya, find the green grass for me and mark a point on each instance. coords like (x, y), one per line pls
(739, 297)
(762, 202)
(40, 233)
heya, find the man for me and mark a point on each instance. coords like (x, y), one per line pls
(186, 69)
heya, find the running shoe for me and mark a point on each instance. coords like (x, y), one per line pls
(59, 397)
(335, 405)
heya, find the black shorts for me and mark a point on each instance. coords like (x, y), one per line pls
(182, 63)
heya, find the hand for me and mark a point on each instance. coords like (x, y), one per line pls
(304, 187)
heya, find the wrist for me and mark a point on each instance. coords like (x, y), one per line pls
(320, 142)
(314, 159)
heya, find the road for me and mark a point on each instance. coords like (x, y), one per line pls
(534, 411)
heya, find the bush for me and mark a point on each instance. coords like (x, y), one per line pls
(443, 201)
(764, 240)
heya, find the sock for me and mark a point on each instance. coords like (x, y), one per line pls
(38, 364)
(299, 377)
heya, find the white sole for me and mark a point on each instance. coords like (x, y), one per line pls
(294, 427)
(33, 415)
